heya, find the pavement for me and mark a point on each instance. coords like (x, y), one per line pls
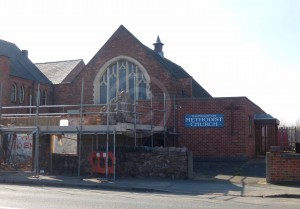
(218, 179)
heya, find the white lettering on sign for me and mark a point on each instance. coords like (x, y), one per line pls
(204, 120)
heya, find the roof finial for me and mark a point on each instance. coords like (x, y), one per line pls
(158, 47)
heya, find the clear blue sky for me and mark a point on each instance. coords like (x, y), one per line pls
(231, 47)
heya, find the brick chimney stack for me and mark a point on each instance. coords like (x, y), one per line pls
(25, 53)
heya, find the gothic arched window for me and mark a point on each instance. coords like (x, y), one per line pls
(121, 75)
(21, 94)
(13, 94)
(44, 98)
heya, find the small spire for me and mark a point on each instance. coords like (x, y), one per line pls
(158, 47)
(158, 40)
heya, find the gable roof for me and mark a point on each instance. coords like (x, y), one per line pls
(199, 91)
(20, 65)
(174, 69)
(61, 71)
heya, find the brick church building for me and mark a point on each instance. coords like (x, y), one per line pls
(159, 102)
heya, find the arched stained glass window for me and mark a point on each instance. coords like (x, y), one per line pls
(113, 81)
(121, 75)
(103, 88)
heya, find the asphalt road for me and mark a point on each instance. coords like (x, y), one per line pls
(25, 197)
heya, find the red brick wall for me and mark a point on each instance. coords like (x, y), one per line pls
(184, 87)
(282, 166)
(4, 75)
(250, 109)
(121, 43)
(219, 142)
(30, 87)
(210, 142)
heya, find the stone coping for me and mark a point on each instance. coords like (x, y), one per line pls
(290, 155)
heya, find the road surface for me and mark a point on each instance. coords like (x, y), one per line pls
(26, 197)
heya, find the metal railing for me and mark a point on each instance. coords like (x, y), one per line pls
(80, 110)
(288, 137)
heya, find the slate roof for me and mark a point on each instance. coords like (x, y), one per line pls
(199, 91)
(175, 70)
(20, 65)
(265, 119)
(262, 116)
(178, 72)
(61, 71)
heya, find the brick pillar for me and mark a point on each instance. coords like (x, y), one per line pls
(190, 165)
(272, 159)
(268, 177)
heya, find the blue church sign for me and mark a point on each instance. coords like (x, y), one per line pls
(204, 120)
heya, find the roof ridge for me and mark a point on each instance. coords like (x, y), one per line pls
(59, 61)
(20, 65)
(164, 59)
(7, 41)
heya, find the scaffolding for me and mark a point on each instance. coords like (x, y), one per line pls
(41, 127)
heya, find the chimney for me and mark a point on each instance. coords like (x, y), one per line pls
(25, 53)
(158, 47)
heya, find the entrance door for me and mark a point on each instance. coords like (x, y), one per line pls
(261, 139)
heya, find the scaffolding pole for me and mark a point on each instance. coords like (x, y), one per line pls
(106, 157)
(0, 100)
(107, 131)
(114, 162)
(36, 148)
(134, 100)
(164, 119)
(80, 130)
(151, 115)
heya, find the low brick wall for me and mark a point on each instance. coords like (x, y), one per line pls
(169, 162)
(64, 164)
(157, 162)
(282, 166)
